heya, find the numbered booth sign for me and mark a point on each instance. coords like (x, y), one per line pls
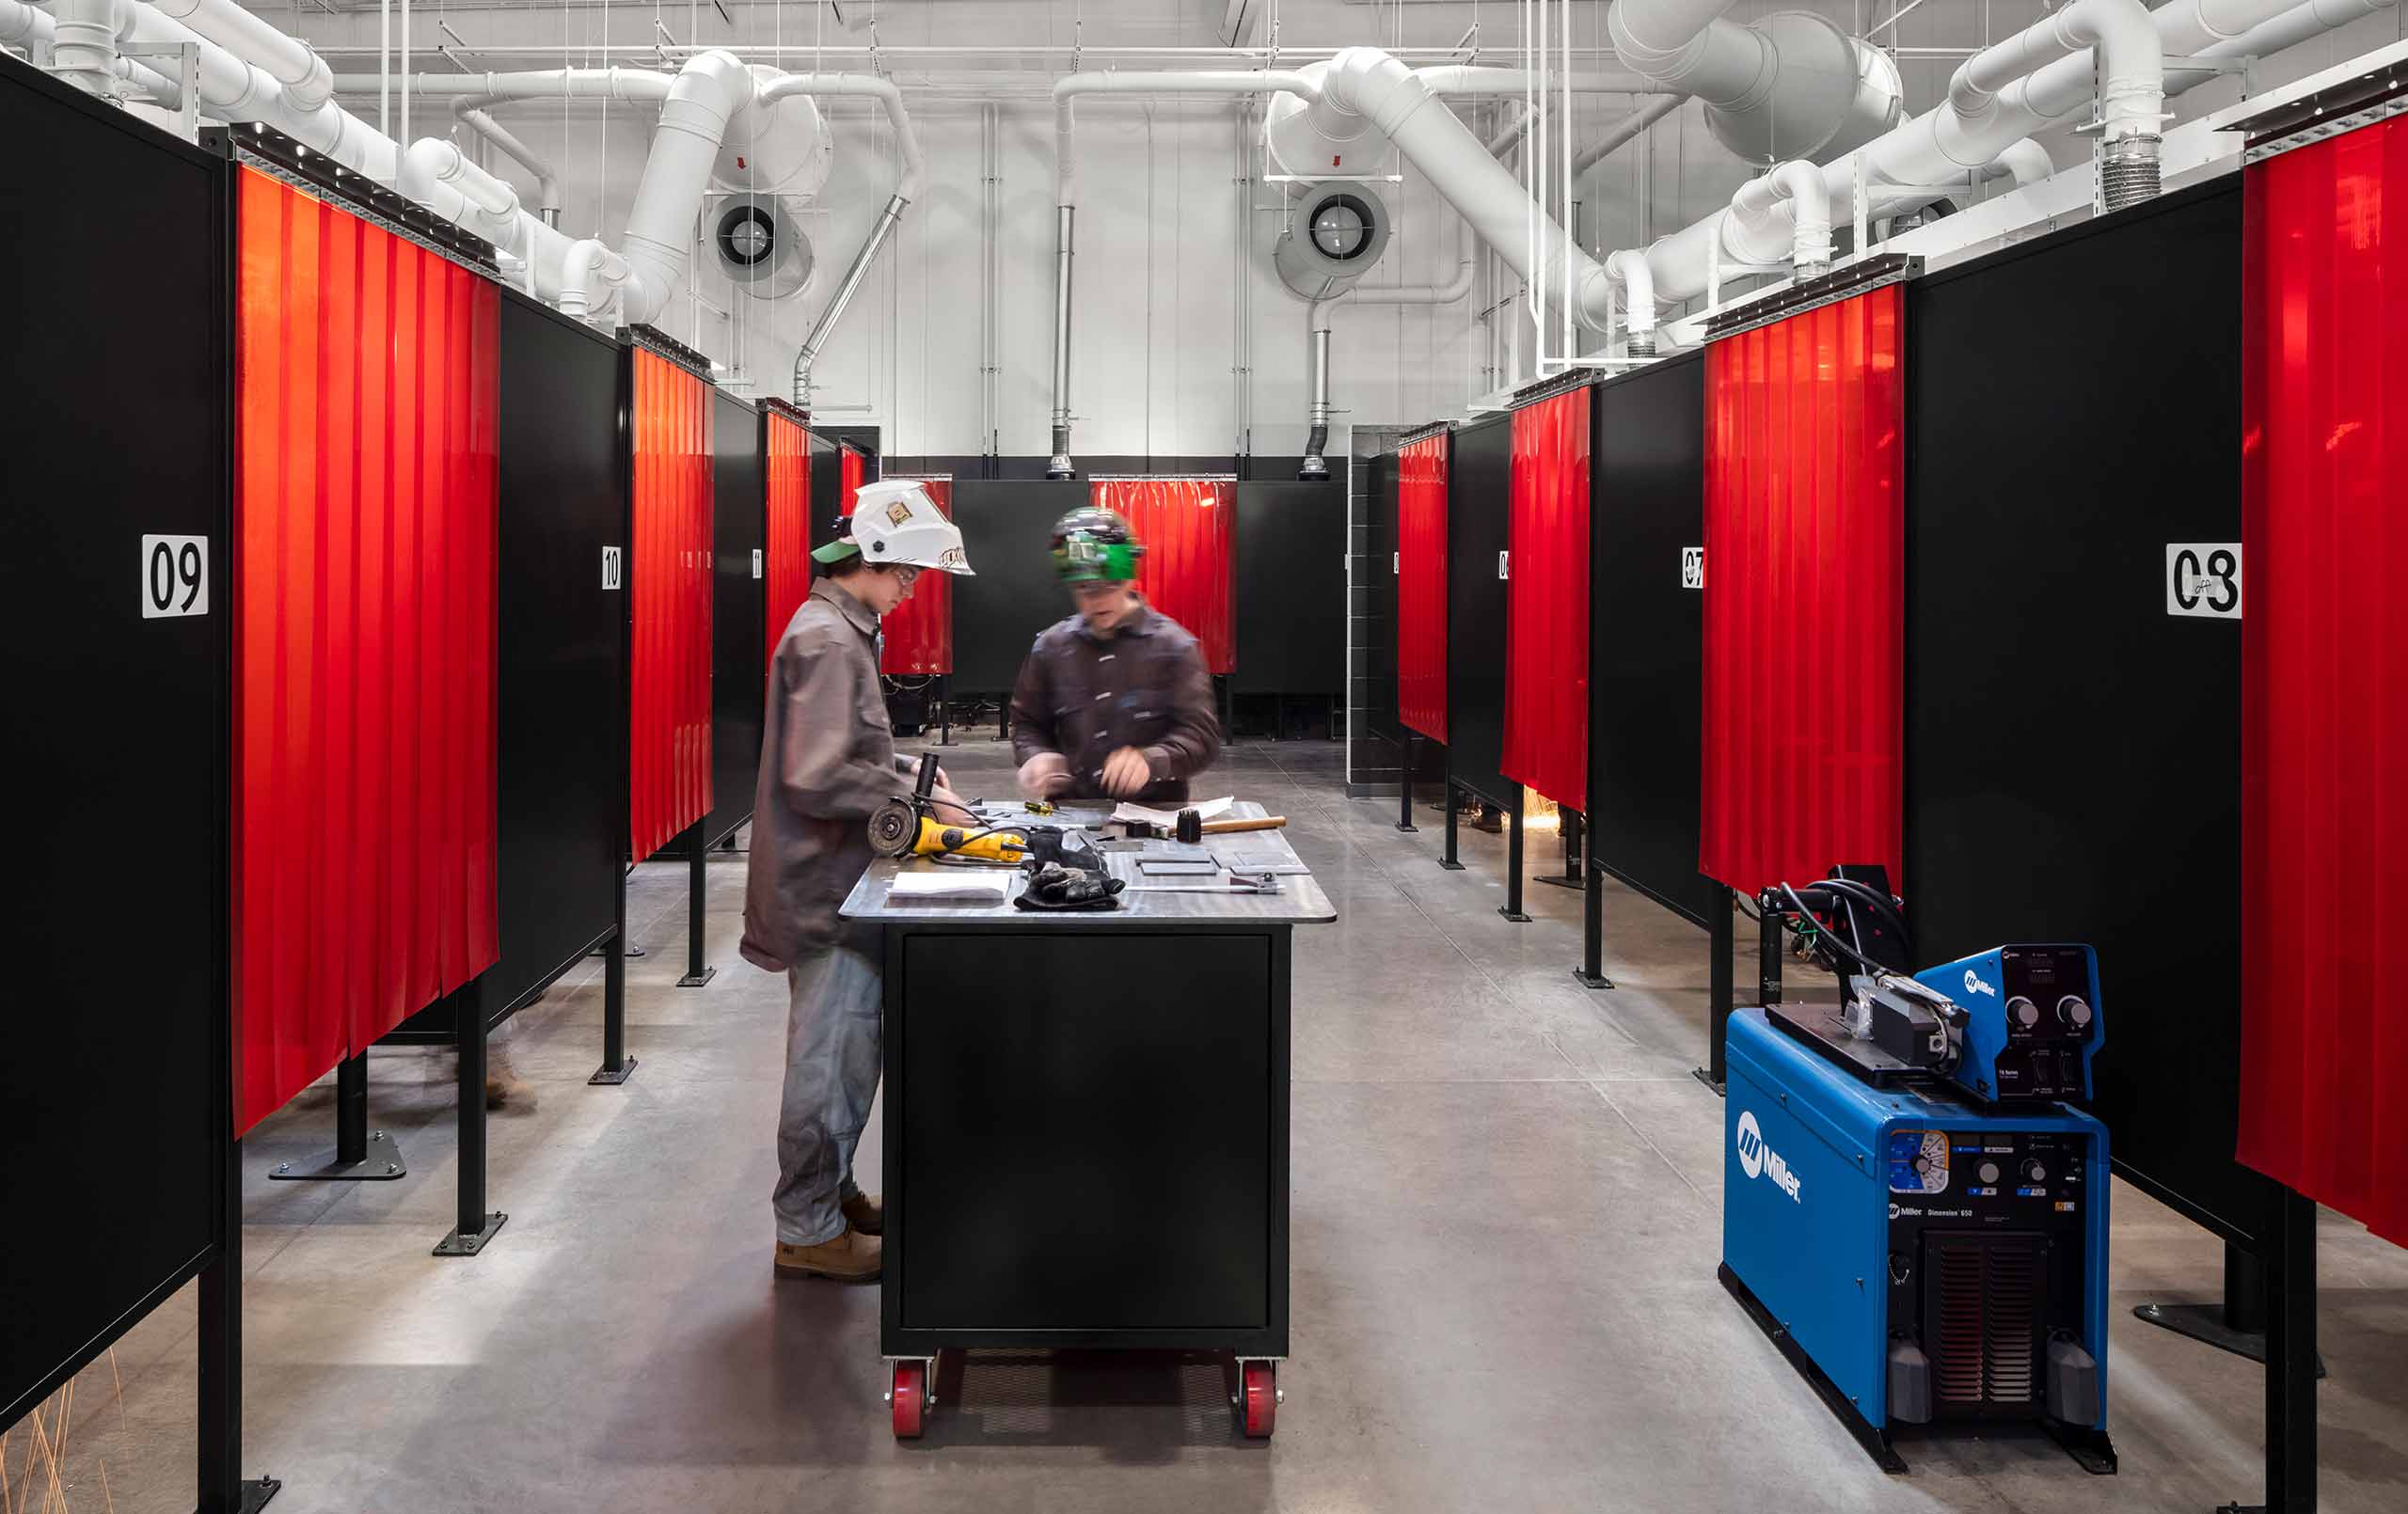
(2203, 579)
(175, 575)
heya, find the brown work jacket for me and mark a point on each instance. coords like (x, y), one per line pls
(827, 762)
(1145, 685)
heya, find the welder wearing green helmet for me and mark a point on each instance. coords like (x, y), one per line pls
(1113, 702)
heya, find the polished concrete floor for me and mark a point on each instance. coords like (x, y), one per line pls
(1506, 1217)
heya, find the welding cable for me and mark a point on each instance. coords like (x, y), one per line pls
(1862, 960)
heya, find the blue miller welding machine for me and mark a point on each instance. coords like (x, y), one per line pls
(1907, 1210)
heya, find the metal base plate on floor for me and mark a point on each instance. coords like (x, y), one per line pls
(2204, 1323)
(1587, 979)
(613, 1077)
(631, 951)
(461, 1243)
(1514, 915)
(1708, 1079)
(1876, 1444)
(382, 1164)
(2090, 1449)
(695, 980)
(1410, 831)
(255, 1493)
(1451, 867)
(1557, 880)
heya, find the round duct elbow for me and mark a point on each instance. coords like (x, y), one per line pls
(781, 147)
(1322, 137)
(1823, 94)
(1335, 233)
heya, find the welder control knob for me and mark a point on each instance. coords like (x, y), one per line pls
(2023, 1012)
(1988, 1171)
(2033, 1173)
(2074, 1011)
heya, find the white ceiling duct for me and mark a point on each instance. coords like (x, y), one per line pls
(1791, 85)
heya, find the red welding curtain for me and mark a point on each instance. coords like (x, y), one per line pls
(1189, 527)
(853, 468)
(918, 632)
(1421, 586)
(786, 567)
(1804, 591)
(1546, 601)
(2324, 674)
(366, 378)
(669, 572)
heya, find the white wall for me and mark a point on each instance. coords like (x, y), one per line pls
(1159, 277)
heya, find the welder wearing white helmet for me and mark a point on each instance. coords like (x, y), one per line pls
(826, 762)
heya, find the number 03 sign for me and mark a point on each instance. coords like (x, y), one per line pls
(175, 575)
(2203, 579)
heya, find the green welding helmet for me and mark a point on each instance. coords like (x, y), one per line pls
(1092, 544)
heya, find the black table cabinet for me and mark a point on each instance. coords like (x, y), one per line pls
(1086, 1125)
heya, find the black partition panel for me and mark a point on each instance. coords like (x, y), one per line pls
(113, 1056)
(1005, 526)
(1646, 627)
(740, 528)
(561, 797)
(1479, 483)
(1291, 575)
(1374, 611)
(2072, 763)
(827, 490)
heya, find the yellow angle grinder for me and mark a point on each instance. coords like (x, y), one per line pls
(909, 828)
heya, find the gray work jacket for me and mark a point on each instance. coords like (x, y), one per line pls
(827, 762)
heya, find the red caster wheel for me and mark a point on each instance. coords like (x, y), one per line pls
(1258, 1396)
(910, 1400)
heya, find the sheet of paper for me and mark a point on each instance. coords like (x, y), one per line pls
(953, 883)
(1209, 809)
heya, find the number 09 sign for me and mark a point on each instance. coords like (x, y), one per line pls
(2203, 579)
(175, 575)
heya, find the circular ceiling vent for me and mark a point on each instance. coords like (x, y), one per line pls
(758, 246)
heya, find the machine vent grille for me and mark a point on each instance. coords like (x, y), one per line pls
(1986, 1297)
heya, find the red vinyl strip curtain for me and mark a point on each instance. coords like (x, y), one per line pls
(2324, 674)
(366, 378)
(1546, 601)
(786, 555)
(1804, 596)
(918, 632)
(668, 571)
(852, 469)
(1421, 586)
(1189, 527)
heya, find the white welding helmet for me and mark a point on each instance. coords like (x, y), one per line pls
(893, 520)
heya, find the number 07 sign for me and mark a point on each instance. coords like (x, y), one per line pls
(175, 575)
(2203, 579)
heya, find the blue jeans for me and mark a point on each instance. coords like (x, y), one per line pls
(834, 1043)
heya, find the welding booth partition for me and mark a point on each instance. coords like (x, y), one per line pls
(1546, 599)
(669, 584)
(1480, 487)
(2324, 670)
(364, 813)
(115, 474)
(1804, 544)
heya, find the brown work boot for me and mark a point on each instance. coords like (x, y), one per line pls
(865, 1214)
(504, 1088)
(852, 1257)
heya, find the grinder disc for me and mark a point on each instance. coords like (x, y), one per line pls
(894, 828)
